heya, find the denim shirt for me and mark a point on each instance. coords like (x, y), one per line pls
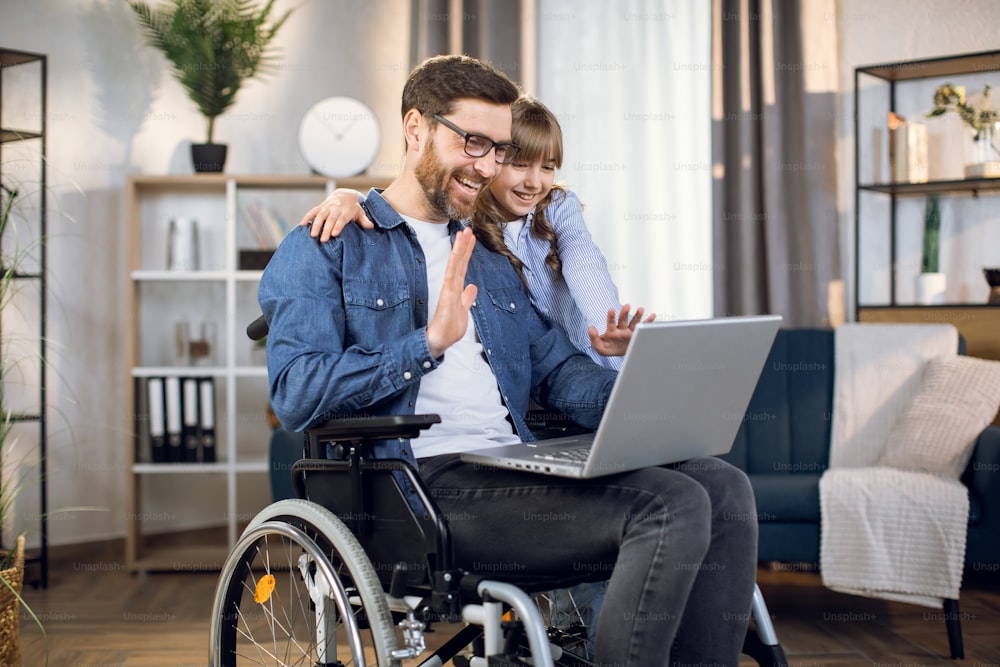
(347, 331)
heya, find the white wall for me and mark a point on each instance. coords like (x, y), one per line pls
(114, 109)
(871, 33)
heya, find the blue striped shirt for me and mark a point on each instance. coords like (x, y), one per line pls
(582, 295)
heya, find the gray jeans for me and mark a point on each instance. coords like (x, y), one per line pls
(677, 544)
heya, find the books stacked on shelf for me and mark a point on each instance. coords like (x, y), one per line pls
(268, 229)
(181, 419)
(907, 150)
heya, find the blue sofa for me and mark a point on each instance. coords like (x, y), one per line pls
(784, 446)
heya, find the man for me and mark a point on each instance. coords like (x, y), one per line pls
(413, 316)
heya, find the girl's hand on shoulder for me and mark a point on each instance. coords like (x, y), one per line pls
(337, 211)
(614, 341)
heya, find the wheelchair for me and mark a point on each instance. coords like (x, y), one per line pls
(358, 570)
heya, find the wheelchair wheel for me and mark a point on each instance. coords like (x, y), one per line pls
(298, 589)
(571, 617)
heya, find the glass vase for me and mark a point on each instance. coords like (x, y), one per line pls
(986, 143)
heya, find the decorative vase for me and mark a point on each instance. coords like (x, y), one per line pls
(182, 244)
(992, 275)
(984, 160)
(930, 288)
(208, 158)
(10, 607)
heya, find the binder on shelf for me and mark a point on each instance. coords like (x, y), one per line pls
(175, 444)
(190, 425)
(156, 404)
(206, 418)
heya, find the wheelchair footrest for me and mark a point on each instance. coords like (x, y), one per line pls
(504, 661)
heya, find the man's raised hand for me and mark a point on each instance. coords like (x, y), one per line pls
(451, 318)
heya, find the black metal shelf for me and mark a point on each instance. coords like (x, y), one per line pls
(966, 63)
(10, 58)
(9, 136)
(972, 186)
(932, 306)
(891, 74)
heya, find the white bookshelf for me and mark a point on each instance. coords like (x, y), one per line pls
(221, 496)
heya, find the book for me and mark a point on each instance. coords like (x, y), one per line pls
(916, 153)
(267, 226)
(260, 232)
(172, 392)
(190, 425)
(206, 419)
(156, 405)
(907, 150)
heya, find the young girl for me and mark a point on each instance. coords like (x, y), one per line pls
(539, 226)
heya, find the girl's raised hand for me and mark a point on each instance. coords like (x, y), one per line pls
(614, 341)
(338, 210)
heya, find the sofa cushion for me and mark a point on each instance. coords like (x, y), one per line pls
(786, 428)
(786, 497)
(957, 398)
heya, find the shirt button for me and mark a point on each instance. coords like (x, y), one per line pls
(407, 375)
(379, 302)
(512, 306)
(475, 303)
(489, 351)
(427, 364)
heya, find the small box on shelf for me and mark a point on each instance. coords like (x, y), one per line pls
(254, 260)
(983, 169)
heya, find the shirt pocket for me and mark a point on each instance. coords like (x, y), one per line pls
(509, 300)
(374, 295)
(376, 311)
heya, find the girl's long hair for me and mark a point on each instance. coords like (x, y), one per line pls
(536, 130)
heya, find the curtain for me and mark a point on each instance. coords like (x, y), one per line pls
(485, 29)
(775, 219)
(630, 84)
(636, 117)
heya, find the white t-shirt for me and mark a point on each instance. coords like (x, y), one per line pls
(462, 389)
(512, 229)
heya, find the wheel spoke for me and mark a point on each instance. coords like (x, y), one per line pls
(262, 620)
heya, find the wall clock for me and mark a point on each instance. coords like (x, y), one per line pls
(339, 137)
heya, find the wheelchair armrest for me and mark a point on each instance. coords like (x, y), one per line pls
(359, 430)
(373, 428)
(257, 329)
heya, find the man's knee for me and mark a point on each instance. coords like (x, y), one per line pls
(675, 504)
(727, 485)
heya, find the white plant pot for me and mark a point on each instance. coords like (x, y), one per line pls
(930, 288)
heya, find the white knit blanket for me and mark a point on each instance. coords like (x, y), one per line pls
(887, 533)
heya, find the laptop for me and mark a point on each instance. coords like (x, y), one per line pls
(682, 392)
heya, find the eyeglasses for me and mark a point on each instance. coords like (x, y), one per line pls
(477, 145)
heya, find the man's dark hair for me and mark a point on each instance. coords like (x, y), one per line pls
(435, 84)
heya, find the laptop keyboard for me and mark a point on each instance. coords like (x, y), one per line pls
(574, 455)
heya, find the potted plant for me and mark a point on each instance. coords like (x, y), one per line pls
(213, 47)
(931, 282)
(982, 117)
(11, 555)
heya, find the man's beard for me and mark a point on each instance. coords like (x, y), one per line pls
(435, 180)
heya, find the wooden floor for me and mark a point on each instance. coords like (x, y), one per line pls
(96, 613)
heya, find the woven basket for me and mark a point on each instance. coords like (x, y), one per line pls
(10, 645)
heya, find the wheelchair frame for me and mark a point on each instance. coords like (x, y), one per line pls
(359, 580)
